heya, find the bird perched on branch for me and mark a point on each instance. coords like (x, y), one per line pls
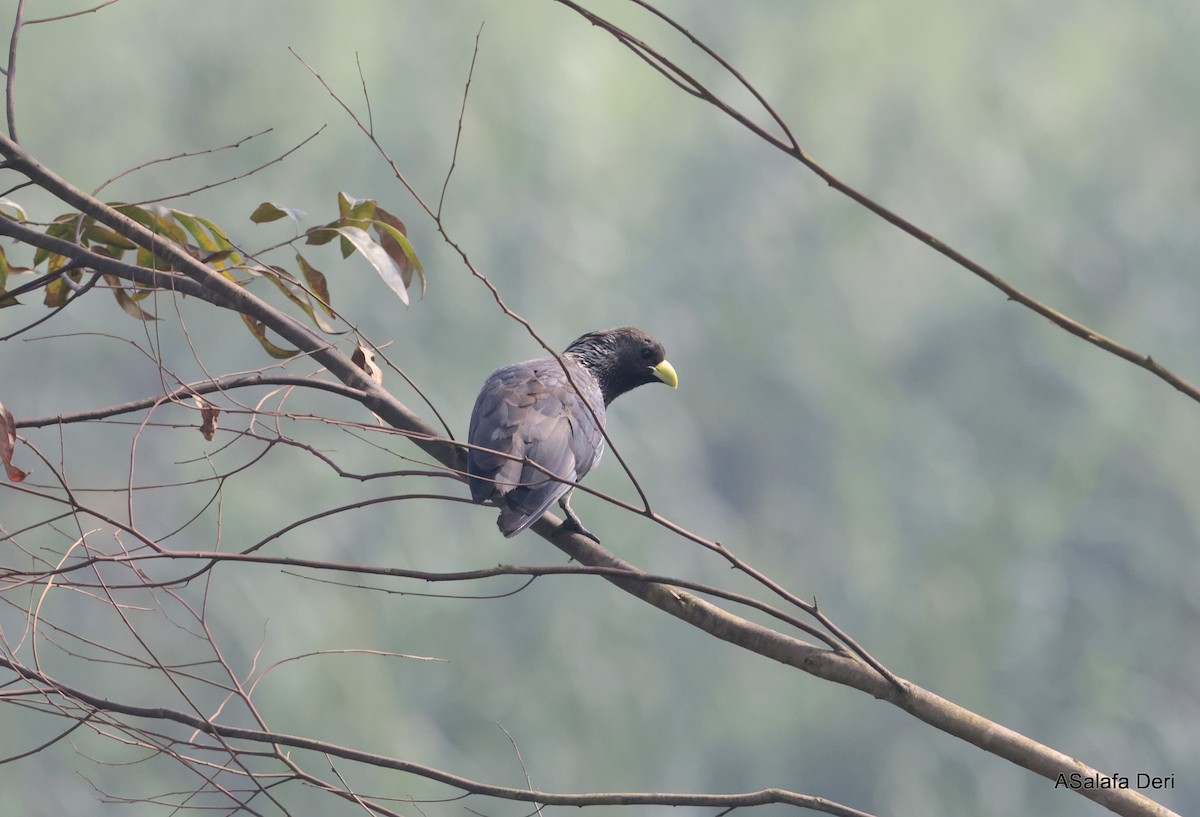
(532, 433)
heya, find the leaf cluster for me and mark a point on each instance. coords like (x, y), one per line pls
(362, 226)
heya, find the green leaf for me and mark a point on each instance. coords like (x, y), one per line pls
(5, 269)
(289, 286)
(259, 331)
(362, 211)
(354, 213)
(216, 259)
(320, 235)
(63, 227)
(388, 270)
(352, 209)
(216, 249)
(218, 234)
(56, 294)
(149, 260)
(269, 211)
(203, 240)
(159, 222)
(57, 290)
(98, 234)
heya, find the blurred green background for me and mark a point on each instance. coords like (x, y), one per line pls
(998, 511)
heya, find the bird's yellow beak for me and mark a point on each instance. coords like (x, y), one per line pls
(666, 373)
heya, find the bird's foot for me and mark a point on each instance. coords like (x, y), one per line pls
(572, 523)
(573, 526)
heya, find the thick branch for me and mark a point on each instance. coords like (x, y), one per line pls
(922, 704)
(83, 257)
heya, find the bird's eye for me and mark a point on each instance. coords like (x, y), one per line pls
(647, 353)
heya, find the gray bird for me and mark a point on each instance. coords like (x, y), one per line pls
(529, 422)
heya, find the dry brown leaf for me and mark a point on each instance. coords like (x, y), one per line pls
(8, 442)
(364, 358)
(208, 418)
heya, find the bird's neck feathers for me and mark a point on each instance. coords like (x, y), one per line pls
(597, 359)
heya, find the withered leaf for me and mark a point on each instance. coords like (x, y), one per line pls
(8, 442)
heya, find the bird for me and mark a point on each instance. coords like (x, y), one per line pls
(534, 433)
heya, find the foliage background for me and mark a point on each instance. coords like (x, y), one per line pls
(999, 512)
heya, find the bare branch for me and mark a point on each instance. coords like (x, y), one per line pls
(231, 733)
(80, 13)
(462, 112)
(11, 73)
(244, 175)
(184, 392)
(789, 146)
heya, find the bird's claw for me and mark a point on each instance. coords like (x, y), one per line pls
(572, 525)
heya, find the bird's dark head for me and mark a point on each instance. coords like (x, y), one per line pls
(622, 359)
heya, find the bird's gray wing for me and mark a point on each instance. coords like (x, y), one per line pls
(529, 412)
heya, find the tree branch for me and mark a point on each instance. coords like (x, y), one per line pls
(226, 733)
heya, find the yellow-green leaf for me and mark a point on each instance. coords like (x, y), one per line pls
(58, 291)
(203, 240)
(230, 251)
(350, 208)
(98, 234)
(219, 257)
(63, 227)
(354, 213)
(5, 269)
(269, 211)
(320, 235)
(128, 303)
(259, 331)
(289, 286)
(159, 222)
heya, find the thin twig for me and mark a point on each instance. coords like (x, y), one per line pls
(366, 94)
(239, 176)
(72, 298)
(183, 155)
(11, 73)
(462, 112)
(92, 10)
(520, 760)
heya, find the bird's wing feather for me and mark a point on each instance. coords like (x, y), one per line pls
(528, 413)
